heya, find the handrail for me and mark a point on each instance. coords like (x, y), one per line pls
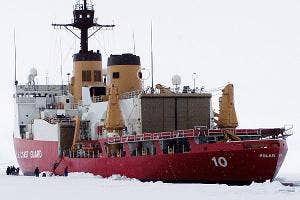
(132, 94)
(97, 99)
(152, 136)
(190, 133)
(57, 120)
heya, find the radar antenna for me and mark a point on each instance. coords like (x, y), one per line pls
(83, 14)
(15, 59)
(151, 45)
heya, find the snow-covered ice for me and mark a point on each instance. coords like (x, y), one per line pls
(86, 186)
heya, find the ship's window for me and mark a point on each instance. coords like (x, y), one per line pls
(97, 76)
(116, 75)
(67, 100)
(23, 131)
(86, 75)
(97, 91)
(140, 75)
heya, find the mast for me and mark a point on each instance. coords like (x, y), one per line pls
(86, 63)
(133, 39)
(15, 61)
(152, 87)
(61, 69)
(83, 14)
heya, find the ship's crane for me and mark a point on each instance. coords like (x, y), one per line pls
(227, 119)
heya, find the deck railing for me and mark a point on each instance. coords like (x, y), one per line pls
(132, 94)
(182, 134)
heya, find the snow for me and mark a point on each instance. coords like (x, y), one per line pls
(234, 40)
(84, 186)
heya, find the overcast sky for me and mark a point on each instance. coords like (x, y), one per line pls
(253, 44)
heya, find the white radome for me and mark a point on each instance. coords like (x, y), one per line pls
(176, 79)
(33, 72)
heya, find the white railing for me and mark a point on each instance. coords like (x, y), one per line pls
(153, 136)
(97, 99)
(132, 94)
(187, 134)
(25, 100)
(57, 120)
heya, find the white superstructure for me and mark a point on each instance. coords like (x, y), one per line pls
(40, 108)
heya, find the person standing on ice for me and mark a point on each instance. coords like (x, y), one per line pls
(66, 171)
(37, 172)
(8, 171)
(12, 170)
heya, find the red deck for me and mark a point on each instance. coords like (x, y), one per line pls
(224, 162)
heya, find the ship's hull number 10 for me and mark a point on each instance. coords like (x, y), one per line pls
(219, 161)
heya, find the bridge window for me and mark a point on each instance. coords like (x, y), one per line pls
(140, 75)
(116, 75)
(86, 75)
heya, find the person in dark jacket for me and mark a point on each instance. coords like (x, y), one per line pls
(66, 171)
(13, 169)
(8, 170)
(37, 172)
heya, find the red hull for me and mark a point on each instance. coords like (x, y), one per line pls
(246, 161)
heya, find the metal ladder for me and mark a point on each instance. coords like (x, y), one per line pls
(55, 165)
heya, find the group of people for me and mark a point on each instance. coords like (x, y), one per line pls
(12, 170)
(37, 172)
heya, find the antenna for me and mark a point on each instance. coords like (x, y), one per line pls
(46, 78)
(83, 20)
(152, 87)
(133, 39)
(61, 75)
(15, 61)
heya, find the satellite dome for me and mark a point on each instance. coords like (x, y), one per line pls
(33, 72)
(176, 79)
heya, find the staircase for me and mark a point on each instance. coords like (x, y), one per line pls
(55, 165)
